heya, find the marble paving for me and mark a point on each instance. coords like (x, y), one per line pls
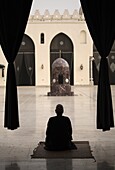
(35, 108)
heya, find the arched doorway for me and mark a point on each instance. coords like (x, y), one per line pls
(25, 63)
(111, 65)
(62, 46)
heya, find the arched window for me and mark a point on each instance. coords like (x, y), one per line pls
(83, 39)
(42, 38)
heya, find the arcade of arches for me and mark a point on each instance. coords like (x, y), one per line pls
(60, 46)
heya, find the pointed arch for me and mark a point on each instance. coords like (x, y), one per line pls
(25, 63)
(62, 45)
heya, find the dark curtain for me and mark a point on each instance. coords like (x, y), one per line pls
(100, 19)
(13, 19)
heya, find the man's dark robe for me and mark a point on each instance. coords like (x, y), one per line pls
(58, 133)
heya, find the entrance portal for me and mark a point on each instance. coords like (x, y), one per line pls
(62, 43)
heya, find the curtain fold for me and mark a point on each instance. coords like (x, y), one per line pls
(13, 19)
(104, 101)
(100, 19)
(11, 102)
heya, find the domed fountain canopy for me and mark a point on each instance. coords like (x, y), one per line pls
(60, 62)
(60, 82)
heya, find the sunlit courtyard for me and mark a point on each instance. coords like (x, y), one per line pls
(35, 108)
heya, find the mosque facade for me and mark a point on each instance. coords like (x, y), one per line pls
(49, 37)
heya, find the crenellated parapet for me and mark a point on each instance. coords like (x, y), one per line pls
(56, 16)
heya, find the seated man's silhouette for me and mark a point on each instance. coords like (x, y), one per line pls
(59, 132)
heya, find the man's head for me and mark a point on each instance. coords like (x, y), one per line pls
(59, 109)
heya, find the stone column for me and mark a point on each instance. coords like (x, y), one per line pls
(91, 70)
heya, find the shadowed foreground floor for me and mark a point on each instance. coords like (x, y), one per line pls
(35, 108)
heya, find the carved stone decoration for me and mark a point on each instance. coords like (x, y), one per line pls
(66, 14)
(47, 15)
(57, 16)
(37, 15)
(75, 15)
(60, 83)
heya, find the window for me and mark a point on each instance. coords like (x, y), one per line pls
(42, 38)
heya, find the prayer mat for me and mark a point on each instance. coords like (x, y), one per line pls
(83, 151)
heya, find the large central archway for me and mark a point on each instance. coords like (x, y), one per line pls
(62, 46)
(25, 63)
